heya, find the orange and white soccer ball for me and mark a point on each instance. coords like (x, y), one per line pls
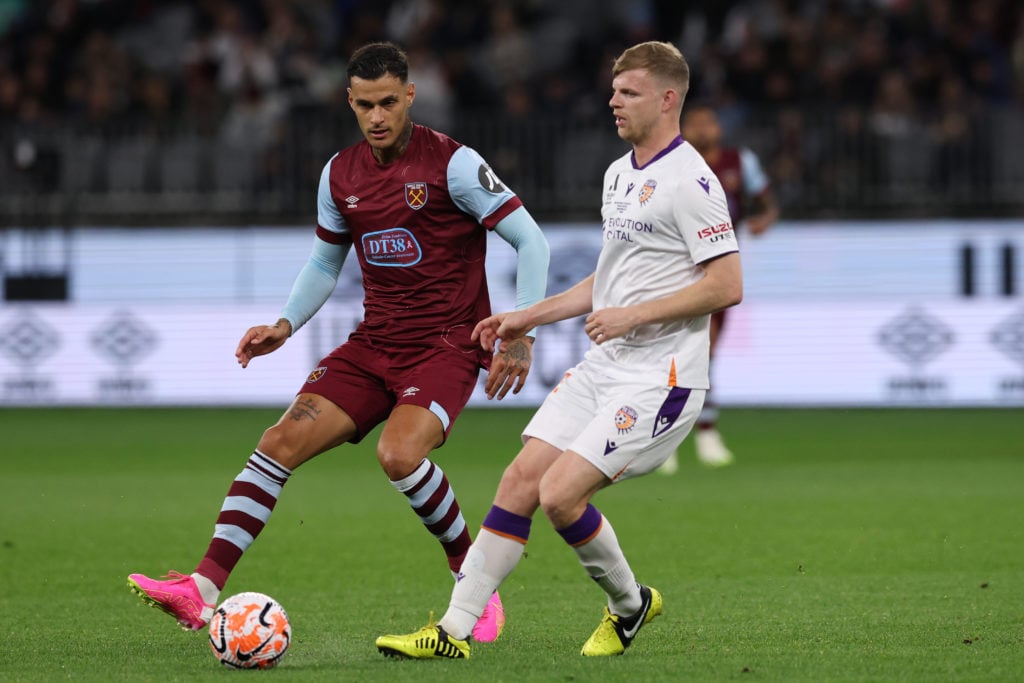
(250, 631)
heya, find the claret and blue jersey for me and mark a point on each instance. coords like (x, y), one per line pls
(418, 227)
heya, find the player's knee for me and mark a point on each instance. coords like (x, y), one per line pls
(560, 508)
(276, 445)
(397, 460)
(517, 491)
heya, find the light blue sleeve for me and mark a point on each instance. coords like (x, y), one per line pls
(755, 180)
(532, 256)
(327, 215)
(315, 282)
(474, 187)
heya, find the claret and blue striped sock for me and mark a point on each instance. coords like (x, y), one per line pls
(246, 509)
(434, 502)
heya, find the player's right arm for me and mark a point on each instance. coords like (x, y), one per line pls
(575, 301)
(314, 284)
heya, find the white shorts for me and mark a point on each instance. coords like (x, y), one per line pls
(624, 428)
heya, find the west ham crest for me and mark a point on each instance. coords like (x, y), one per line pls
(415, 195)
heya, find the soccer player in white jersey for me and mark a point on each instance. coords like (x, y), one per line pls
(668, 261)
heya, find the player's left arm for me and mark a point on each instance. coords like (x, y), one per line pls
(477, 190)
(764, 208)
(721, 287)
(514, 357)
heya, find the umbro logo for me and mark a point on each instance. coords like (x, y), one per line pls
(351, 200)
(610, 446)
(705, 183)
(411, 391)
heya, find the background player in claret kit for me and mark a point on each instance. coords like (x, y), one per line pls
(752, 206)
(416, 205)
(669, 259)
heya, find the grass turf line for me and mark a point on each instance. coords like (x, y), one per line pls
(844, 545)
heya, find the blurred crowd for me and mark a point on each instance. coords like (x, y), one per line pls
(894, 69)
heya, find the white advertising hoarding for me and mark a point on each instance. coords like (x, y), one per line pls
(839, 314)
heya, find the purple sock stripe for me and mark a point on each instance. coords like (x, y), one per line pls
(584, 528)
(507, 524)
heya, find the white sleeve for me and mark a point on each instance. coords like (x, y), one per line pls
(702, 214)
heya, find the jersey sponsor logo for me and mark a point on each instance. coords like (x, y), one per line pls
(705, 185)
(394, 247)
(489, 180)
(715, 233)
(625, 419)
(316, 374)
(647, 191)
(416, 195)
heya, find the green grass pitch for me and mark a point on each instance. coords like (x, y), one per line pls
(861, 545)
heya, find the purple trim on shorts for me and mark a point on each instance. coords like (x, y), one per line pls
(670, 410)
(584, 528)
(508, 524)
(671, 146)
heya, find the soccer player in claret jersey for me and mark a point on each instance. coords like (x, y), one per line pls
(752, 206)
(416, 205)
(669, 259)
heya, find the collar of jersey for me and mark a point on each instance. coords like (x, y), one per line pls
(671, 146)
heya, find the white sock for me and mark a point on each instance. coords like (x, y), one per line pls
(604, 561)
(207, 589)
(490, 560)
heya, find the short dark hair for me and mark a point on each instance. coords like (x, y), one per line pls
(375, 60)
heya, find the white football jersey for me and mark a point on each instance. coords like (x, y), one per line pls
(659, 222)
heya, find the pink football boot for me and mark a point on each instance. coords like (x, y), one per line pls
(488, 627)
(178, 595)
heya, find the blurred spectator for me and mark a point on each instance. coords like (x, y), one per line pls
(917, 74)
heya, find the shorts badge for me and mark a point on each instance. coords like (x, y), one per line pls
(625, 419)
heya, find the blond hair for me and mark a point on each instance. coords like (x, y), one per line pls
(664, 61)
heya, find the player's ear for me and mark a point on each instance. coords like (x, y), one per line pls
(410, 92)
(671, 100)
(351, 100)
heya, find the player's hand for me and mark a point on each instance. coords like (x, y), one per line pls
(509, 368)
(261, 340)
(758, 225)
(609, 323)
(504, 326)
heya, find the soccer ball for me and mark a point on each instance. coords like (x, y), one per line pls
(250, 631)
